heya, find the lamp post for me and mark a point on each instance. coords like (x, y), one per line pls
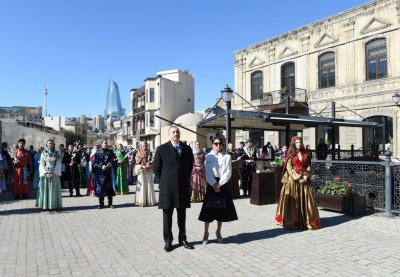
(226, 95)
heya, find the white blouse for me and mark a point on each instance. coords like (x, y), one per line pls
(219, 166)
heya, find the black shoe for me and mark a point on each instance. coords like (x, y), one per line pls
(25, 196)
(100, 207)
(185, 244)
(16, 197)
(70, 195)
(79, 195)
(168, 247)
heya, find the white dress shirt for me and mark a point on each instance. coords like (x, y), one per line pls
(219, 166)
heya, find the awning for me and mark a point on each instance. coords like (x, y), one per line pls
(253, 120)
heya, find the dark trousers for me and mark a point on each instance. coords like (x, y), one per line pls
(246, 181)
(72, 185)
(109, 198)
(167, 224)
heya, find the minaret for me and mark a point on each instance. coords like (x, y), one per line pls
(45, 99)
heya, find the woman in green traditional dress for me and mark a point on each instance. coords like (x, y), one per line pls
(49, 193)
(122, 177)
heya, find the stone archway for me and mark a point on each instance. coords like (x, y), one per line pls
(380, 113)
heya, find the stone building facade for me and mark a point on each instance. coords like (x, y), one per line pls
(169, 95)
(350, 58)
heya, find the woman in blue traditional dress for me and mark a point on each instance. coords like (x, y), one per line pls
(102, 169)
(121, 176)
(49, 193)
(36, 164)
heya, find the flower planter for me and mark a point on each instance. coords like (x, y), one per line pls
(353, 205)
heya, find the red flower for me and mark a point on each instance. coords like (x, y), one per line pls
(336, 178)
(349, 185)
(278, 218)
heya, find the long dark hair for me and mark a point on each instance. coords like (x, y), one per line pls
(292, 150)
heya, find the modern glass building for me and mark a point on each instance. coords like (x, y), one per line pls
(113, 104)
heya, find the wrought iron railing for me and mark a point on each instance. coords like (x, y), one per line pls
(279, 96)
(367, 177)
(363, 154)
(396, 187)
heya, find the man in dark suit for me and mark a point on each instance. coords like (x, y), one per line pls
(173, 164)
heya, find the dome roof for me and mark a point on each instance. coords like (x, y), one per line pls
(189, 119)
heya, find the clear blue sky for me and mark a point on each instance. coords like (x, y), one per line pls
(78, 45)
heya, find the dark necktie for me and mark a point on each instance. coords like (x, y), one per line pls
(177, 149)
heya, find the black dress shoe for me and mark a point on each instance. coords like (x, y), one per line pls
(185, 244)
(168, 247)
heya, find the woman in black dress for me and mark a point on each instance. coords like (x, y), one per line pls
(218, 173)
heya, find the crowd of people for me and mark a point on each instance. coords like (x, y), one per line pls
(185, 175)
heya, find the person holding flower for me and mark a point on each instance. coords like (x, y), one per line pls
(297, 208)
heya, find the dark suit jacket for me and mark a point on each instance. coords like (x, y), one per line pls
(175, 175)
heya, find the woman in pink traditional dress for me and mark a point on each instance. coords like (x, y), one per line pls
(198, 174)
(90, 184)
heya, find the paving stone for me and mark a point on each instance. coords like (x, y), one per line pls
(127, 241)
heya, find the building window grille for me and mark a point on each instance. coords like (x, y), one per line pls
(256, 85)
(326, 63)
(376, 57)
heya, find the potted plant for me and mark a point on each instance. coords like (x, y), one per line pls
(341, 196)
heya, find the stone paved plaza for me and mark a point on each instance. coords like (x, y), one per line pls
(81, 240)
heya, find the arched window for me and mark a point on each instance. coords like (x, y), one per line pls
(288, 76)
(256, 85)
(376, 58)
(326, 69)
(383, 134)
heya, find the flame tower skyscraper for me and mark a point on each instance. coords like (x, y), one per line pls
(113, 104)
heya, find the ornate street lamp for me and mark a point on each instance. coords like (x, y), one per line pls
(396, 99)
(226, 95)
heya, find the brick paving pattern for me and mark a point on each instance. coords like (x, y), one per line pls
(81, 240)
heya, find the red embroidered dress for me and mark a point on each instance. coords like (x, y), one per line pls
(21, 182)
(296, 207)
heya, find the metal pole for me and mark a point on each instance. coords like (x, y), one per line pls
(228, 122)
(287, 104)
(388, 184)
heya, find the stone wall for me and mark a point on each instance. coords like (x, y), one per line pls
(11, 133)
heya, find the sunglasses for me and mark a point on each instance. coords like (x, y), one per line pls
(218, 143)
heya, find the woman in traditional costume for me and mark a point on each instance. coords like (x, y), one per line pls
(90, 184)
(36, 165)
(102, 166)
(198, 174)
(49, 193)
(296, 207)
(145, 194)
(121, 178)
(21, 183)
(131, 159)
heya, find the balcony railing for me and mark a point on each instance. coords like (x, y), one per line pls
(279, 96)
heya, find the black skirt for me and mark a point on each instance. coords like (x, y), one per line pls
(223, 215)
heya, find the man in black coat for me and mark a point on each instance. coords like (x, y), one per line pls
(173, 163)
